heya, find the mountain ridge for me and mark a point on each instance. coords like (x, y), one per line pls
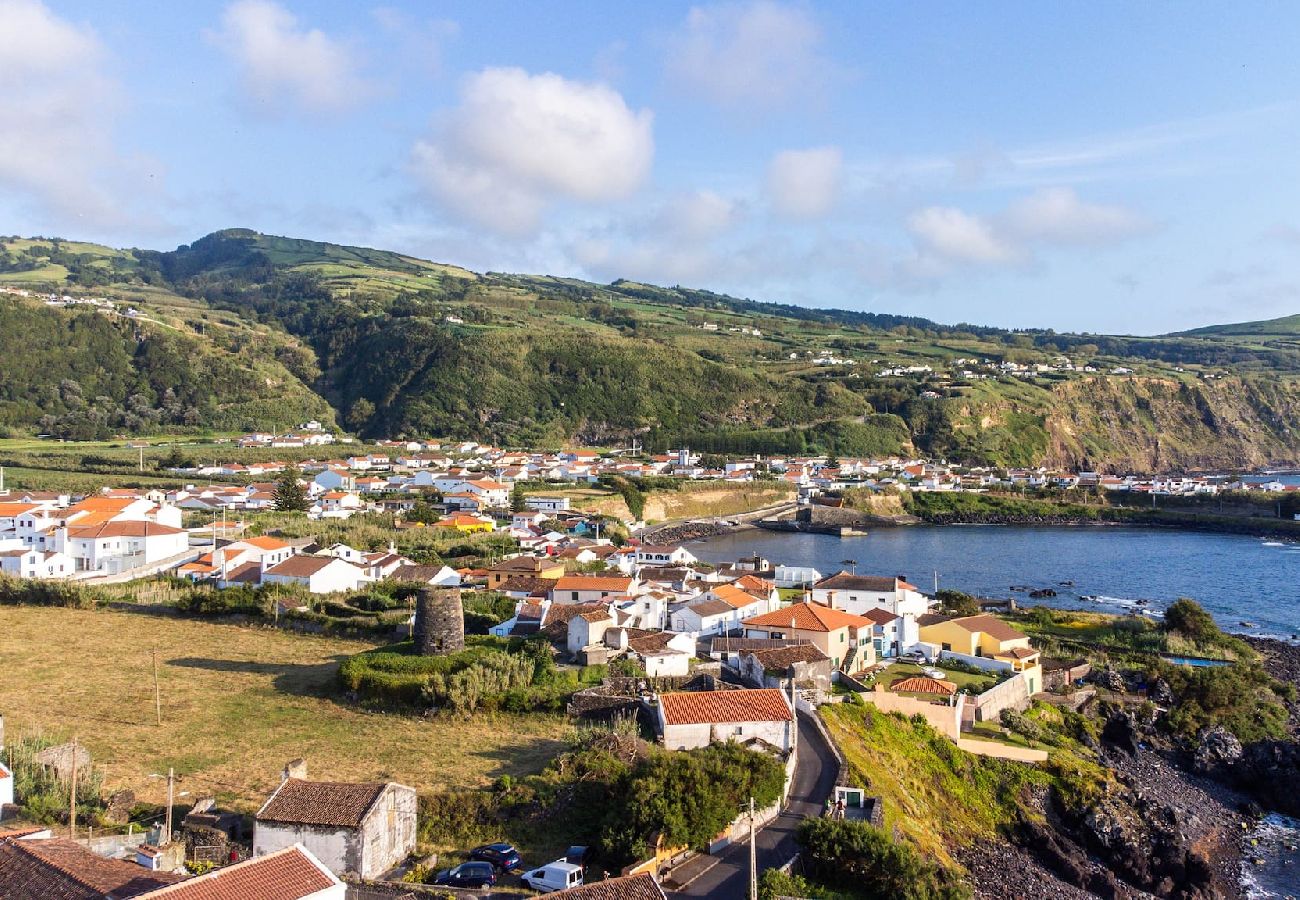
(393, 345)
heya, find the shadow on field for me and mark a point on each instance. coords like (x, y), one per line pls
(316, 680)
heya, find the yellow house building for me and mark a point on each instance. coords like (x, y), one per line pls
(989, 637)
(467, 524)
(527, 567)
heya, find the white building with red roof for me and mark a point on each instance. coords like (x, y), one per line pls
(691, 719)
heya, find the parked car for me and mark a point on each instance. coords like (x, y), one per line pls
(578, 855)
(501, 855)
(931, 672)
(913, 656)
(556, 876)
(468, 875)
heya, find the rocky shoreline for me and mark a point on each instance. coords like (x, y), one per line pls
(1181, 822)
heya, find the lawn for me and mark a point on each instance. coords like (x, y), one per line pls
(237, 703)
(976, 684)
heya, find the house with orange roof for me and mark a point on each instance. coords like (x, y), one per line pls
(590, 588)
(467, 523)
(842, 636)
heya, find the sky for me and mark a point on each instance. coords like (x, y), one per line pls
(1084, 166)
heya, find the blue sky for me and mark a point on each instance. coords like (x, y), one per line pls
(1094, 166)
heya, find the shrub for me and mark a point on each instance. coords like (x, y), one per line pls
(854, 856)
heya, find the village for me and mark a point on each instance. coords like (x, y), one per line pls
(743, 652)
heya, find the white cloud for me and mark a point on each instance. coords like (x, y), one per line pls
(58, 102)
(743, 55)
(1048, 217)
(1057, 215)
(285, 66)
(518, 142)
(805, 184)
(958, 236)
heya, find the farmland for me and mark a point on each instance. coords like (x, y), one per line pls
(237, 703)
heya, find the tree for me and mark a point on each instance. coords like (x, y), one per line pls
(958, 603)
(1190, 619)
(517, 503)
(856, 856)
(290, 496)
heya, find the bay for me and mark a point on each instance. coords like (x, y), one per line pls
(1238, 578)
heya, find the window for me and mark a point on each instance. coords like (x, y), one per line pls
(575, 596)
(740, 730)
(948, 647)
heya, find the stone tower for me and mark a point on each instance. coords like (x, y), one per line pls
(439, 621)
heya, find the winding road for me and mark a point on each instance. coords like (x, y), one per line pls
(727, 876)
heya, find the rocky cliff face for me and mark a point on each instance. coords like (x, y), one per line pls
(1141, 424)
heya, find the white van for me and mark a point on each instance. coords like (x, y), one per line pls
(556, 876)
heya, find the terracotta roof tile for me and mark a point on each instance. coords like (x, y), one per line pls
(920, 684)
(58, 869)
(288, 874)
(808, 617)
(630, 887)
(784, 657)
(695, 707)
(593, 583)
(321, 803)
(990, 625)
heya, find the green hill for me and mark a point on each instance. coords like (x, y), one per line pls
(256, 331)
(1285, 326)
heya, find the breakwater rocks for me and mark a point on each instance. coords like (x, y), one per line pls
(686, 531)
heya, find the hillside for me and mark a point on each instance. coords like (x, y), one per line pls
(1285, 326)
(259, 331)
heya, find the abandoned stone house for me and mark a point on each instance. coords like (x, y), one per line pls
(364, 829)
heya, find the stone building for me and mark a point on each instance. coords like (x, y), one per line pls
(439, 621)
(364, 829)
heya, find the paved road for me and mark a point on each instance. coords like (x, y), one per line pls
(814, 779)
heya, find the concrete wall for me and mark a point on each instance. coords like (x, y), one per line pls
(944, 719)
(338, 849)
(1010, 694)
(1002, 751)
(688, 737)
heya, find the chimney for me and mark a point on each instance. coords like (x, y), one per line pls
(295, 768)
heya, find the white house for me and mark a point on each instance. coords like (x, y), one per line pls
(587, 628)
(320, 574)
(491, 493)
(547, 504)
(691, 719)
(858, 593)
(118, 546)
(704, 616)
(6, 787)
(364, 829)
(660, 555)
(891, 634)
(796, 576)
(267, 550)
(590, 588)
(28, 562)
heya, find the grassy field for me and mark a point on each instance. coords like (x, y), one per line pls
(237, 703)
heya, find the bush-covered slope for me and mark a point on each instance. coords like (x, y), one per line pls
(87, 375)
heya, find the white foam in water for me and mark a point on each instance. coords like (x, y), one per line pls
(1270, 865)
(1274, 544)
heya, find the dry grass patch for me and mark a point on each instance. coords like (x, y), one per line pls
(237, 703)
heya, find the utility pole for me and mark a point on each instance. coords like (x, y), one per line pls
(753, 855)
(72, 795)
(171, 783)
(157, 693)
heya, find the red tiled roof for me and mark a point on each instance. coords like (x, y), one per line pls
(592, 583)
(990, 625)
(303, 566)
(629, 887)
(288, 874)
(334, 803)
(122, 529)
(920, 684)
(808, 617)
(696, 707)
(59, 869)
